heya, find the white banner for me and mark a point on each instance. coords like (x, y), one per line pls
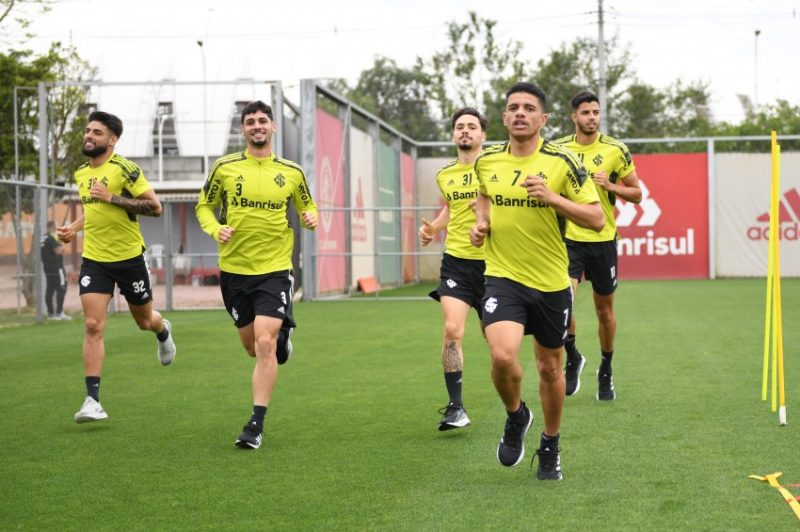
(362, 195)
(742, 214)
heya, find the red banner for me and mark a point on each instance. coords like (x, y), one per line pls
(330, 194)
(666, 235)
(408, 222)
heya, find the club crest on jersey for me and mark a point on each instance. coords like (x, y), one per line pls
(541, 174)
(85, 281)
(451, 283)
(491, 305)
(280, 180)
(598, 160)
(234, 313)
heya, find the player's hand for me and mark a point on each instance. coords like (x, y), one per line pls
(537, 188)
(309, 219)
(601, 180)
(65, 234)
(226, 233)
(473, 204)
(477, 233)
(99, 191)
(425, 232)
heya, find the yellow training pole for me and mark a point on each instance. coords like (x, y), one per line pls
(778, 318)
(773, 211)
(775, 225)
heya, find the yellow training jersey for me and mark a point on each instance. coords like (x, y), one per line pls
(607, 155)
(110, 233)
(459, 187)
(524, 242)
(252, 195)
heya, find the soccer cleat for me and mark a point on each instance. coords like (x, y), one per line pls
(250, 438)
(166, 349)
(549, 463)
(605, 387)
(453, 417)
(63, 317)
(511, 449)
(90, 411)
(284, 348)
(572, 372)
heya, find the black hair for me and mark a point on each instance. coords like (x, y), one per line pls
(469, 111)
(112, 122)
(530, 88)
(254, 107)
(583, 97)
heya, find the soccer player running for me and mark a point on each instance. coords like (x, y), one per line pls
(252, 189)
(594, 255)
(461, 273)
(527, 186)
(114, 192)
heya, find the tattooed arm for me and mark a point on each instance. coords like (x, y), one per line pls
(146, 204)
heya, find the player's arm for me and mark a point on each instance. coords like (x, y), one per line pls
(428, 229)
(207, 202)
(588, 215)
(66, 233)
(627, 189)
(305, 204)
(145, 204)
(479, 231)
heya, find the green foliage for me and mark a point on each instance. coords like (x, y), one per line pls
(351, 439)
(781, 117)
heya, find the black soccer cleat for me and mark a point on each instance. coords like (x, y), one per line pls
(549, 463)
(284, 348)
(605, 387)
(250, 438)
(572, 374)
(511, 449)
(453, 417)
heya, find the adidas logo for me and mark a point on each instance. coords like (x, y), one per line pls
(627, 213)
(451, 183)
(789, 229)
(493, 179)
(239, 179)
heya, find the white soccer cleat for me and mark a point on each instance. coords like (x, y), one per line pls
(166, 349)
(90, 411)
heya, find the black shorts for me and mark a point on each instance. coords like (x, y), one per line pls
(269, 294)
(597, 261)
(462, 279)
(132, 276)
(545, 315)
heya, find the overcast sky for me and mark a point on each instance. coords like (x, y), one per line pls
(707, 40)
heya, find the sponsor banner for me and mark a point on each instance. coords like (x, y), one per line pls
(330, 194)
(408, 218)
(742, 214)
(666, 235)
(362, 196)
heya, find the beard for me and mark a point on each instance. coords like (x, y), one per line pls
(94, 152)
(465, 145)
(258, 143)
(589, 130)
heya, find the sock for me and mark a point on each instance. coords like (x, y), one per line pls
(572, 352)
(93, 387)
(163, 335)
(605, 364)
(519, 415)
(453, 382)
(259, 412)
(549, 441)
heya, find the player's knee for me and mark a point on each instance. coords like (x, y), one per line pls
(453, 331)
(265, 345)
(550, 373)
(94, 327)
(144, 324)
(605, 314)
(503, 360)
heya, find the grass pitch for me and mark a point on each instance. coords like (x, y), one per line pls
(351, 436)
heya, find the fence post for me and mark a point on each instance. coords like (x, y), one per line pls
(40, 206)
(712, 210)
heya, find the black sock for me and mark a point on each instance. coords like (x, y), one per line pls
(605, 363)
(163, 335)
(572, 352)
(519, 415)
(549, 441)
(259, 412)
(453, 382)
(93, 387)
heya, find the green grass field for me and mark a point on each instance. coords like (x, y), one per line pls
(351, 439)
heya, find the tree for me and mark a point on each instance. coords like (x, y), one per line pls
(22, 13)
(782, 117)
(20, 69)
(397, 95)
